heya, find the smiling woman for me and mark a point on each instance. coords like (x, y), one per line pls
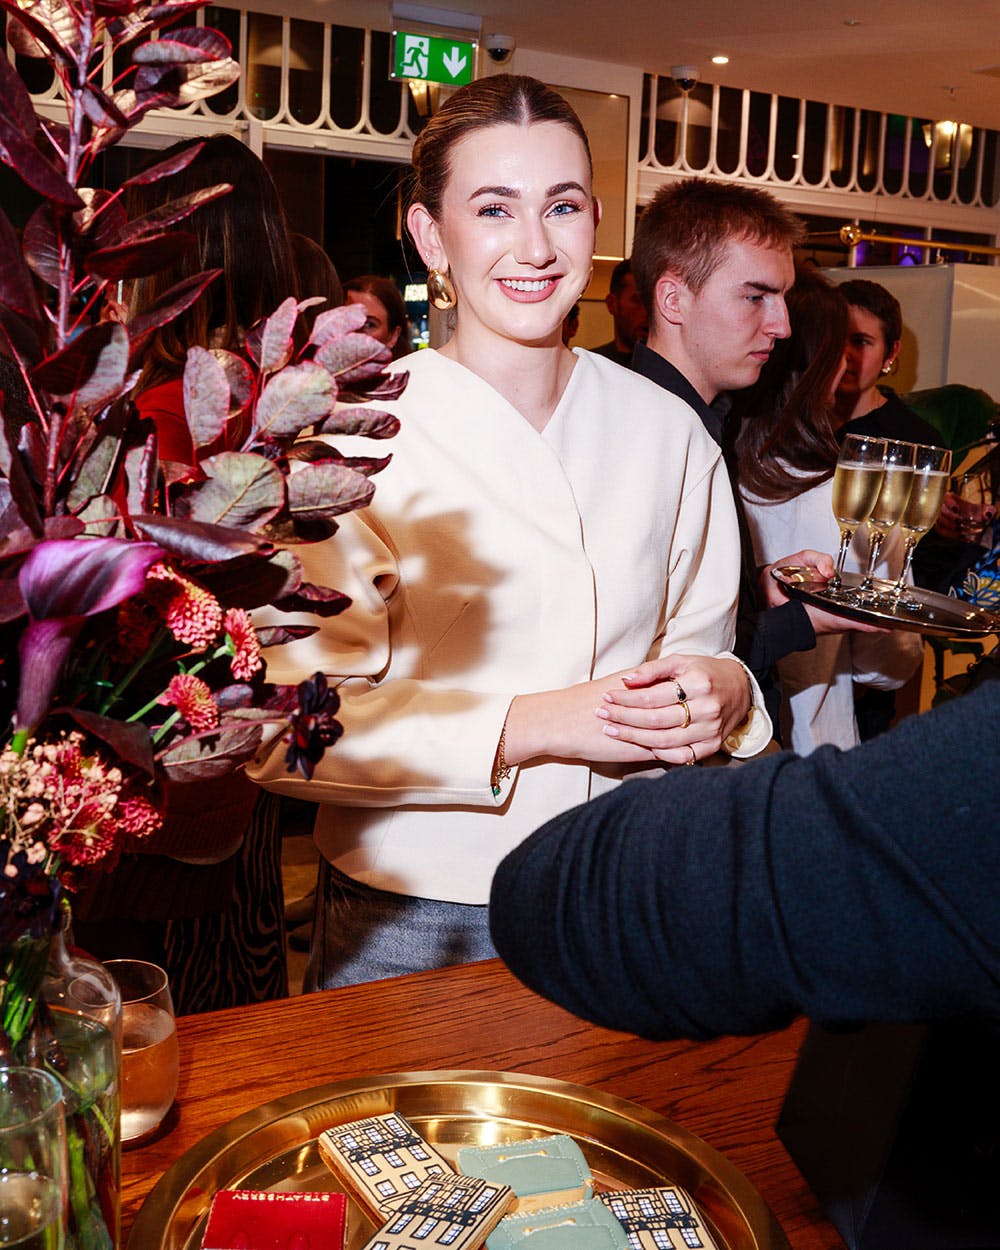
(543, 588)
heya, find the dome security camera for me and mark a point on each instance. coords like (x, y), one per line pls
(685, 76)
(500, 48)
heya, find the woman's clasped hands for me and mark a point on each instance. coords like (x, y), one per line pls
(680, 709)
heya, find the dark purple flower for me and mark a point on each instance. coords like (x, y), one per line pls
(313, 727)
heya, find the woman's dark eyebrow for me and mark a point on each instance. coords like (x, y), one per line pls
(511, 193)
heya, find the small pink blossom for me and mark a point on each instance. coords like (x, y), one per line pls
(247, 657)
(192, 613)
(193, 699)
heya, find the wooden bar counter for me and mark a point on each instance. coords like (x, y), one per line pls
(478, 1016)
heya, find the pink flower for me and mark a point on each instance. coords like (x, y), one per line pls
(193, 699)
(246, 658)
(138, 818)
(192, 613)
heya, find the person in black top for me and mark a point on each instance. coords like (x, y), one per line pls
(629, 314)
(873, 339)
(712, 263)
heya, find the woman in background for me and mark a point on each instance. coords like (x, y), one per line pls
(387, 320)
(542, 599)
(787, 448)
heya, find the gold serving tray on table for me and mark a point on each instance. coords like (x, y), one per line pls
(627, 1147)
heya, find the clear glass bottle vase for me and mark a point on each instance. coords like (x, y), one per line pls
(82, 1019)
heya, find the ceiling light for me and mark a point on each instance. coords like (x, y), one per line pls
(720, 60)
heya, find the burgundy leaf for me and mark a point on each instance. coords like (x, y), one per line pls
(278, 635)
(372, 422)
(163, 310)
(129, 742)
(140, 472)
(34, 168)
(187, 46)
(95, 467)
(164, 169)
(336, 322)
(251, 583)
(100, 108)
(21, 487)
(90, 370)
(142, 257)
(52, 23)
(237, 695)
(184, 83)
(239, 376)
(43, 649)
(327, 489)
(17, 291)
(320, 600)
(276, 336)
(12, 605)
(157, 219)
(198, 541)
(41, 245)
(242, 490)
(391, 386)
(201, 756)
(206, 396)
(368, 465)
(102, 218)
(353, 357)
(293, 399)
(16, 99)
(62, 527)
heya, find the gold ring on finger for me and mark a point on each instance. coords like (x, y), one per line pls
(687, 713)
(693, 759)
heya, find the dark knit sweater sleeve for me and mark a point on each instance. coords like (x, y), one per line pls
(847, 886)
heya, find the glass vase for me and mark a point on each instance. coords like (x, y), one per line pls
(60, 1010)
(81, 1008)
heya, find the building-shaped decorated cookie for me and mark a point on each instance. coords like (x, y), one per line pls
(656, 1219)
(587, 1225)
(542, 1171)
(381, 1160)
(456, 1211)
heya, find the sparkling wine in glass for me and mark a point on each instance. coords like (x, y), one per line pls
(931, 467)
(892, 498)
(856, 484)
(974, 505)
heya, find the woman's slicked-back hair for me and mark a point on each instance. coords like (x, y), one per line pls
(787, 441)
(243, 233)
(503, 98)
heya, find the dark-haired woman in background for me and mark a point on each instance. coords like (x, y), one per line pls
(387, 320)
(787, 449)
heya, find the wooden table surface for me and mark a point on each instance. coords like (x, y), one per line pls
(478, 1016)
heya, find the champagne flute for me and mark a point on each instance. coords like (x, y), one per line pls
(892, 497)
(856, 483)
(974, 502)
(931, 466)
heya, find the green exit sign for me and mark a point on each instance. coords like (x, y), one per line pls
(448, 61)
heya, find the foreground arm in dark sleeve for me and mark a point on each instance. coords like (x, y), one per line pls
(847, 886)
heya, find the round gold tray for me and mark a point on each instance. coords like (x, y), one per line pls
(627, 1147)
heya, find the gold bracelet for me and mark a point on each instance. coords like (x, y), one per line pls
(501, 769)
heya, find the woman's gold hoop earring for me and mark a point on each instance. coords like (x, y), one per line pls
(440, 291)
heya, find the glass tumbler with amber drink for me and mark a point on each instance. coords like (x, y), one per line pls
(856, 484)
